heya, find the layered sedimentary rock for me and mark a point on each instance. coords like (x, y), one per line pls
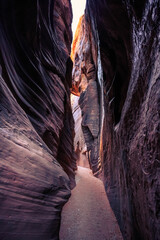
(124, 42)
(85, 85)
(79, 141)
(33, 186)
(36, 123)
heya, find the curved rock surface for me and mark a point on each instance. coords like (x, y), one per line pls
(37, 69)
(33, 186)
(36, 122)
(79, 141)
(124, 43)
(116, 74)
(84, 84)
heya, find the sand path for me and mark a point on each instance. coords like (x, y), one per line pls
(88, 215)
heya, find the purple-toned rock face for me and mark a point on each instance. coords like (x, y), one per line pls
(116, 76)
(124, 49)
(33, 186)
(36, 123)
(84, 83)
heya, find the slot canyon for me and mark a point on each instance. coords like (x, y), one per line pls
(80, 120)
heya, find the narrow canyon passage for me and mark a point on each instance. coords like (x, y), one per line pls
(88, 209)
(92, 101)
(88, 215)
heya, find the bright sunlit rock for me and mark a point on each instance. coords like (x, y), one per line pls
(78, 7)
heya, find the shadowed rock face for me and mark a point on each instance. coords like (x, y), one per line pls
(36, 123)
(116, 73)
(79, 141)
(34, 186)
(85, 84)
(125, 48)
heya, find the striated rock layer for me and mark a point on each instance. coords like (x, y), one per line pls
(79, 141)
(36, 122)
(85, 84)
(123, 42)
(33, 186)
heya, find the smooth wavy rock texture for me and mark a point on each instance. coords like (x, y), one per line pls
(85, 84)
(129, 43)
(33, 186)
(116, 72)
(36, 122)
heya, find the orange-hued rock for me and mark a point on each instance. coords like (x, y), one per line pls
(84, 84)
(81, 57)
(77, 37)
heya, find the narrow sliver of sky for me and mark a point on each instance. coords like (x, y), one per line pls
(78, 7)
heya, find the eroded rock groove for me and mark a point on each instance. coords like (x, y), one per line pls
(114, 73)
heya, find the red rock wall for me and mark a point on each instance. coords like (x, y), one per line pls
(36, 122)
(124, 46)
(79, 141)
(85, 85)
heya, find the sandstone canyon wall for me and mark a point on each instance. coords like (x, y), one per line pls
(116, 72)
(36, 123)
(116, 76)
(85, 85)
